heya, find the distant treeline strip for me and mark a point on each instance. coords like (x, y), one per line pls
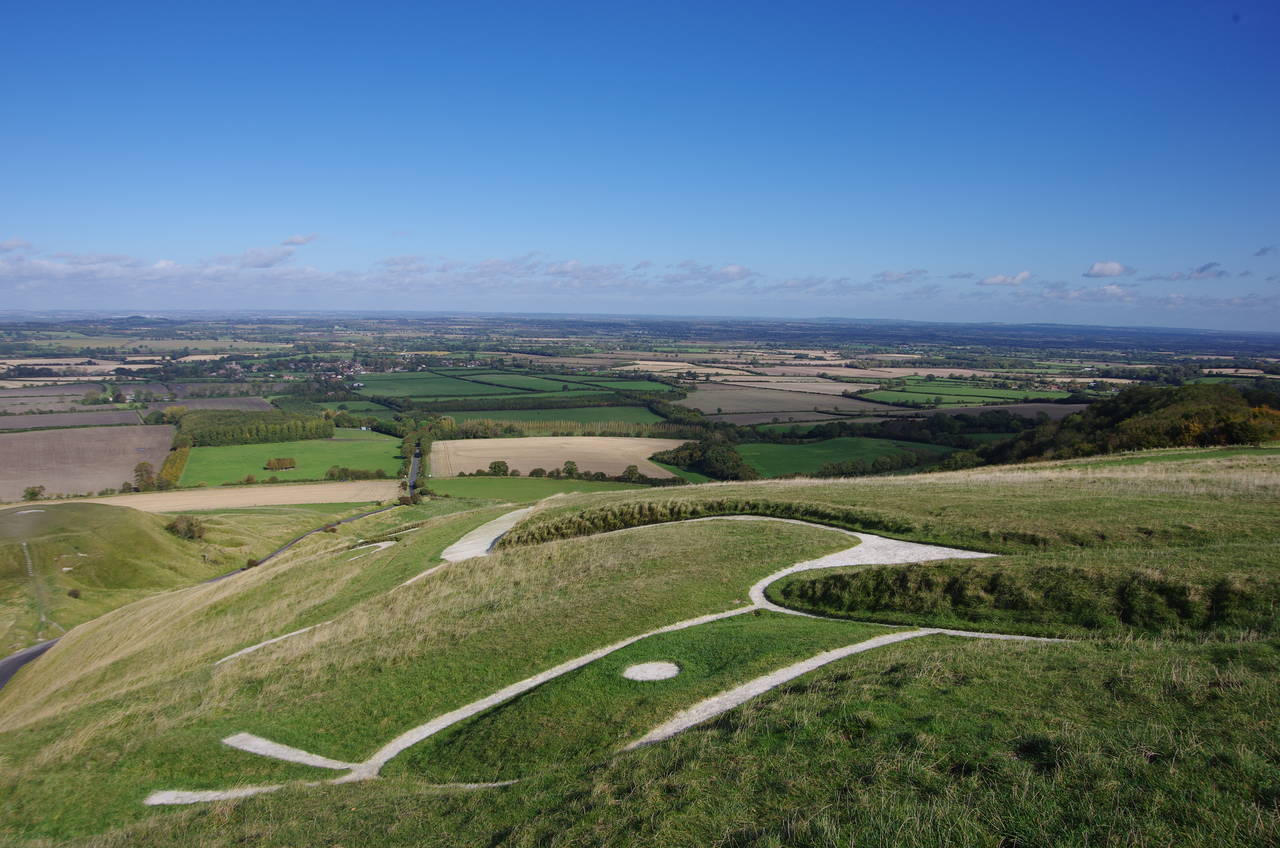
(212, 427)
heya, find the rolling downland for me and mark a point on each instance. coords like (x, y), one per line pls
(1155, 725)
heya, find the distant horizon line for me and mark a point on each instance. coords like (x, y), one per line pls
(53, 314)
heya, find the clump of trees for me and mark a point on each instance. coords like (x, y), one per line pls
(171, 469)
(1143, 417)
(571, 471)
(187, 527)
(713, 457)
(341, 472)
(213, 427)
(284, 463)
(33, 493)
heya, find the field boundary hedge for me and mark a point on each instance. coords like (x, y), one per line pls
(174, 464)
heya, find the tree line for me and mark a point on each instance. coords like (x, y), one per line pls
(214, 427)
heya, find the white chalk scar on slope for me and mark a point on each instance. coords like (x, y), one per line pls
(871, 550)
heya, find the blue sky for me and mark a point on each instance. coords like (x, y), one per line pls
(1107, 163)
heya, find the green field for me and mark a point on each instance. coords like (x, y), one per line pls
(957, 393)
(523, 381)
(426, 385)
(888, 396)
(633, 385)
(582, 415)
(773, 460)
(515, 489)
(685, 474)
(361, 449)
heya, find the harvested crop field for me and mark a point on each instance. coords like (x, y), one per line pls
(720, 399)
(1026, 410)
(577, 415)
(72, 389)
(591, 453)
(57, 403)
(80, 460)
(235, 497)
(886, 373)
(782, 417)
(799, 384)
(69, 419)
(244, 404)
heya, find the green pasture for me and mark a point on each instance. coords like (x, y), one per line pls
(365, 450)
(893, 396)
(523, 381)
(426, 385)
(633, 385)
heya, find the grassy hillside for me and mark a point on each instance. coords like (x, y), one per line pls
(87, 559)
(153, 706)
(1151, 728)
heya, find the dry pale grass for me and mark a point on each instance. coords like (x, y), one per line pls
(163, 638)
(235, 497)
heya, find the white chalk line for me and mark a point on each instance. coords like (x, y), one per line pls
(267, 748)
(377, 546)
(265, 643)
(739, 695)
(492, 530)
(480, 540)
(867, 552)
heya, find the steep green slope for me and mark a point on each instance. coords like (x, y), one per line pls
(69, 563)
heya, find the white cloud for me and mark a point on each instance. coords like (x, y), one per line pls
(1108, 269)
(1207, 271)
(1006, 279)
(300, 239)
(262, 257)
(900, 276)
(14, 244)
